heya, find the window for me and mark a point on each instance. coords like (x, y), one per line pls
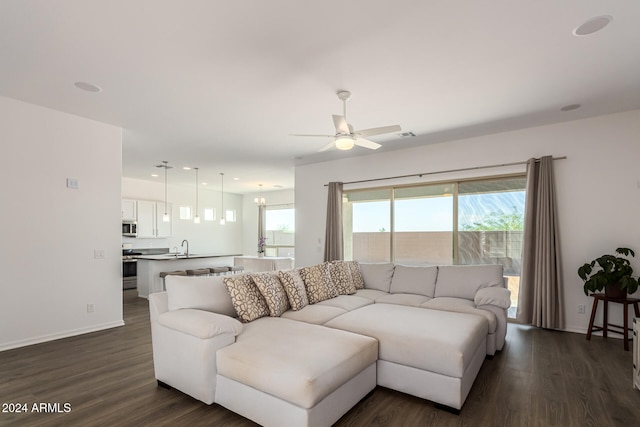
(464, 222)
(185, 212)
(230, 216)
(280, 230)
(209, 214)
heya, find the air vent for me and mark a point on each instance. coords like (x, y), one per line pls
(407, 134)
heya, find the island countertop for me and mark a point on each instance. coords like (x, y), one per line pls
(150, 267)
(173, 257)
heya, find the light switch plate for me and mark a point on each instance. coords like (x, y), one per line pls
(73, 183)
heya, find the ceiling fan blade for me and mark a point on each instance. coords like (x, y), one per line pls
(328, 146)
(341, 125)
(378, 131)
(323, 136)
(361, 142)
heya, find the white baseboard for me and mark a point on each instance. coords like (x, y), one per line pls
(59, 335)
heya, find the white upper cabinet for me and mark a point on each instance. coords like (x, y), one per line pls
(150, 222)
(128, 210)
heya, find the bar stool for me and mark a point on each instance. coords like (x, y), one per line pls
(164, 274)
(198, 272)
(236, 269)
(217, 271)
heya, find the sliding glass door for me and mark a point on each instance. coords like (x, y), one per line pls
(459, 222)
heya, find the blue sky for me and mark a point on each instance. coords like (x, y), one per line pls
(434, 213)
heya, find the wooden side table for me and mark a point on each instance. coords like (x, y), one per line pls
(624, 329)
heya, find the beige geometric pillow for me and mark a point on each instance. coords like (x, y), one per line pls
(341, 278)
(246, 298)
(294, 287)
(317, 280)
(273, 292)
(356, 274)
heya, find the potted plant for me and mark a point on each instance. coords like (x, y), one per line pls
(611, 273)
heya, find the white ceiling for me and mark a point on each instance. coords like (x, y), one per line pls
(221, 85)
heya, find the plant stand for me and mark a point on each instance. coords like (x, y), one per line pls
(624, 329)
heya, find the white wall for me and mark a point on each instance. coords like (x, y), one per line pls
(208, 237)
(250, 215)
(49, 232)
(598, 188)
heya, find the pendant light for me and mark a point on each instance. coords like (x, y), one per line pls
(196, 217)
(165, 165)
(222, 221)
(260, 201)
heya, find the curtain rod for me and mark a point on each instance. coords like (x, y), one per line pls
(420, 175)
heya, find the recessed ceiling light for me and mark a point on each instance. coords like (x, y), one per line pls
(89, 87)
(236, 179)
(187, 168)
(570, 107)
(205, 183)
(593, 25)
(155, 175)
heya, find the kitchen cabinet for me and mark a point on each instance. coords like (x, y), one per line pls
(128, 210)
(150, 222)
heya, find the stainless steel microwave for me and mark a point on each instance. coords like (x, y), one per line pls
(130, 228)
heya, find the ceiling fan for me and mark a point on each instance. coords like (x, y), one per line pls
(345, 137)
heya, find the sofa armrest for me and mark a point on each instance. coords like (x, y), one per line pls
(199, 323)
(158, 304)
(493, 295)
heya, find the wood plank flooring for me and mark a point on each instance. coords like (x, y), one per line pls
(541, 378)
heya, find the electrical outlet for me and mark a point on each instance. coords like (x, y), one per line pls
(98, 253)
(73, 183)
(581, 308)
(89, 308)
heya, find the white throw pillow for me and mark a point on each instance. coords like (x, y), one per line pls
(377, 276)
(493, 295)
(414, 280)
(202, 293)
(463, 281)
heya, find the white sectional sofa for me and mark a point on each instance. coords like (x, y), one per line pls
(305, 360)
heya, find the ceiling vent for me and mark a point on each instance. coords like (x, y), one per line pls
(407, 134)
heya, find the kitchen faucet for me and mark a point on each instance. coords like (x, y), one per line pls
(182, 245)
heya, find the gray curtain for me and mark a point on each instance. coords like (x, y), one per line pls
(261, 224)
(540, 301)
(333, 242)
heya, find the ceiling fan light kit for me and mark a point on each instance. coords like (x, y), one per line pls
(345, 137)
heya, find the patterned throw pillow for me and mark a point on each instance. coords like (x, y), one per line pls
(273, 292)
(246, 298)
(356, 274)
(341, 278)
(318, 282)
(294, 287)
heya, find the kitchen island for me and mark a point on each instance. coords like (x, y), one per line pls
(150, 267)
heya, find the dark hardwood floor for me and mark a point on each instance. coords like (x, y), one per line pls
(541, 378)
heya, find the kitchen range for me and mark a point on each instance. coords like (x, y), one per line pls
(130, 263)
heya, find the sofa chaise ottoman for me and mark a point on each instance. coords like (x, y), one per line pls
(295, 373)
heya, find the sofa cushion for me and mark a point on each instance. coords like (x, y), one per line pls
(463, 281)
(341, 278)
(294, 287)
(356, 274)
(493, 296)
(202, 293)
(371, 294)
(274, 294)
(246, 298)
(437, 341)
(347, 302)
(462, 305)
(317, 281)
(295, 361)
(403, 299)
(377, 276)
(199, 323)
(317, 314)
(414, 280)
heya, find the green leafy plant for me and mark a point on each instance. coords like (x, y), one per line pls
(609, 270)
